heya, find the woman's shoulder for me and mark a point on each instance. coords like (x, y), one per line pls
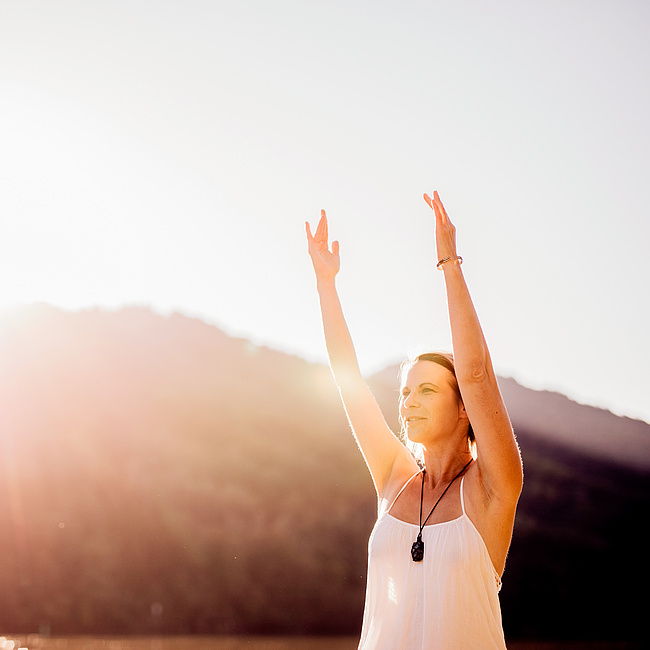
(404, 469)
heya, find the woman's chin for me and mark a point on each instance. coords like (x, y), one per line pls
(414, 437)
(426, 436)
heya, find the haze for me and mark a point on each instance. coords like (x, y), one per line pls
(168, 153)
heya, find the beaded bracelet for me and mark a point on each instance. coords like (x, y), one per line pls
(447, 259)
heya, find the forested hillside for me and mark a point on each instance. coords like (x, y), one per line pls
(157, 475)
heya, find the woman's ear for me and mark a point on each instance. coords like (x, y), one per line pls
(462, 413)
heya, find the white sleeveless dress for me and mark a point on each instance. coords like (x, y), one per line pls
(449, 601)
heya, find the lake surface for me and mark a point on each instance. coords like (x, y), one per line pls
(34, 642)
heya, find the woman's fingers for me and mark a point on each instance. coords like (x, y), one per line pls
(318, 241)
(445, 230)
(321, 230)
(435, 204)
(438, 211)
(438, 202)
(326, 263)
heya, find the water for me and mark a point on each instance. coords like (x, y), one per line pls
(34, 642)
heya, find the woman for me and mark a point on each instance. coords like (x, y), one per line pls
(445, 523)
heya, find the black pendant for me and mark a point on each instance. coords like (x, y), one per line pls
(417, 550)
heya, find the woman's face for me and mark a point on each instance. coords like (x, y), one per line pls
(429, 406)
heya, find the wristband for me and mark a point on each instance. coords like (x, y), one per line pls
(448, 259)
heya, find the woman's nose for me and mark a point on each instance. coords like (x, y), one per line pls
(409, 401)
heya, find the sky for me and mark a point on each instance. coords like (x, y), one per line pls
(168, 153)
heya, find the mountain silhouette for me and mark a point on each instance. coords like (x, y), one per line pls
(158, 475)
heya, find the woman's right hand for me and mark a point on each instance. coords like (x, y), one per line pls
(326, 263)
(381, 449)
(445, 230)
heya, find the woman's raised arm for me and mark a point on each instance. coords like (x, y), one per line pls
(379, 446)
(499, 461)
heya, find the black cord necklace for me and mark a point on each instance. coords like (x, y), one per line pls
(417, 550)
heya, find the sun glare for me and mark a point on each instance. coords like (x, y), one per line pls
(56, 229)
(88, 215)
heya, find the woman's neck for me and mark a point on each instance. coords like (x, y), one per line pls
(442, 466)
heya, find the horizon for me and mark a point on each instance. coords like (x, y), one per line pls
(7, 314)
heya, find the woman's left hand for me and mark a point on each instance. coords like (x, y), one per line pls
(445, 230)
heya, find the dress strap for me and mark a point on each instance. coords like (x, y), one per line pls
(402, 490)
(462, 497)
